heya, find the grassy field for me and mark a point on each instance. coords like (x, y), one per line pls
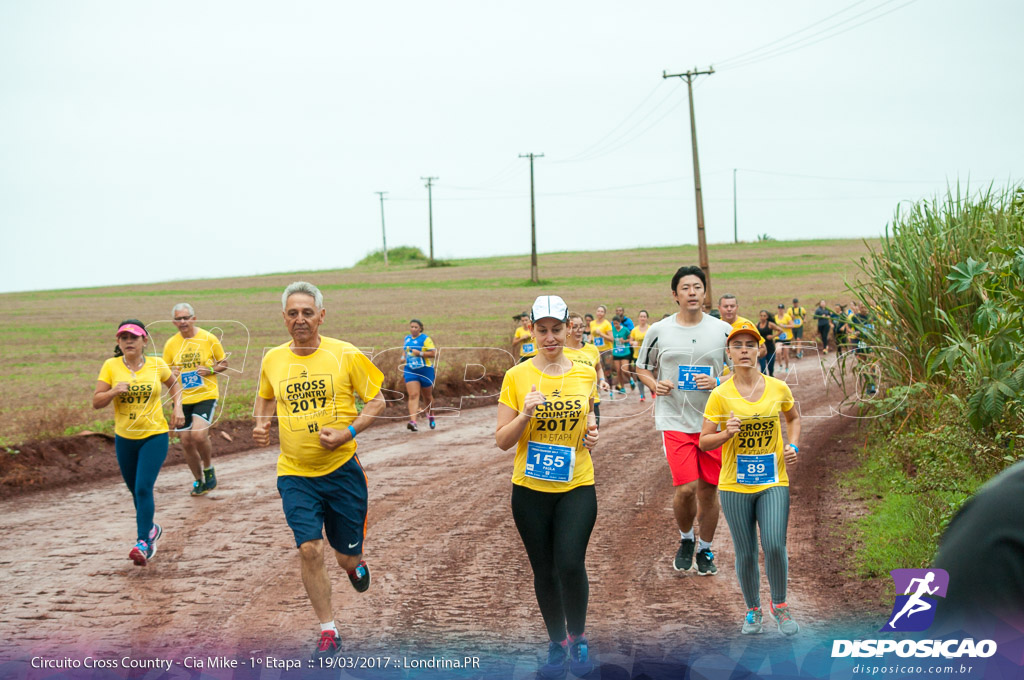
(52, 343)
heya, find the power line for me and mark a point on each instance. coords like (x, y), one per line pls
(795, 46)
(736, 57)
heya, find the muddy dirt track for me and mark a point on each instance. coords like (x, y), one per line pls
(448, 567)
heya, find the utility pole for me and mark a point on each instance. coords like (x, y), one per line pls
(430, 212)
(383, 234)
(735, 229)
(702, 246)
(534, 276)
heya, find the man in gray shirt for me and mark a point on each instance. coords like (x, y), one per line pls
(681, 360)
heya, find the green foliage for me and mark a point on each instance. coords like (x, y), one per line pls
(762, 238)
(949, 295)
(399, 255)
(915, 474)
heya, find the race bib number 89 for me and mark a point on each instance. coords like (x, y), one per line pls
(756, 469)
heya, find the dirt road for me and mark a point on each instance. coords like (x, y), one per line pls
(448, 567)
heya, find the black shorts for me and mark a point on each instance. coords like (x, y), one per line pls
(334, 504)
(200, 409)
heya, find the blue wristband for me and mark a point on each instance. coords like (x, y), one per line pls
(718, 382)
(796, 449)
(352, 431)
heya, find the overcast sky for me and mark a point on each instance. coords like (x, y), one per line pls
(155, 141)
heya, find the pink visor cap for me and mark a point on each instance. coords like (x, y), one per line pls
(133, 329)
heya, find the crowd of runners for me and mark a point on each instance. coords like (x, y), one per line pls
(729, 429)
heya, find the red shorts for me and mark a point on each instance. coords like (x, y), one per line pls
(687, 461)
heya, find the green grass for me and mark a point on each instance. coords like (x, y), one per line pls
(54, 342)
(913, 477)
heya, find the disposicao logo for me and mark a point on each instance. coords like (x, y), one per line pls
(914, 610)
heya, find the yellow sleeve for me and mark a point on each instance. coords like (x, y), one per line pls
(163, 370)
(366, 378)
(217, 349)
(168, 354)
(429, 343)
(266, 389)
(106, 375)
(786, 401)
(714, 410)
(509, 394)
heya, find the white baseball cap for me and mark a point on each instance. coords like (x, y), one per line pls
(549, 306)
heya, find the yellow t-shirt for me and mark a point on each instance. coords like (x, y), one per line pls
(529, 346)
(588, 356)
(785, 333)
(638, 335)
(202, 349)
(138, 412)
(314, 392)
(557, 427)
(797, 314)
(753, 457)
(596, 328)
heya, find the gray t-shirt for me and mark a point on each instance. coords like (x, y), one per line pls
(667, 346)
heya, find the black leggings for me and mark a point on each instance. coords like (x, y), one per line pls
(555, 528)
(823, 329)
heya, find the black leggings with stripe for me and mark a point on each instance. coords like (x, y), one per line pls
(555, 528)
(745, 513)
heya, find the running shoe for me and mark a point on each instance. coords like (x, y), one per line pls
(752, 622)
(142, 553)
(780, 612)
(412, 426)
(684, 556)
(642, 400)
(328, 645)
(554, 669)
(622, 390)
(210, 479)
(198, 488)
(579, 656)
(433, 423)
(706, 563)
(155, 533)
(360, 577)
(632, 384)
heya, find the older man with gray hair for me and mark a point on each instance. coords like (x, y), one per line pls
(310, 383)
(196, 357)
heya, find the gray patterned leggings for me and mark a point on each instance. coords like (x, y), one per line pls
(745, 512)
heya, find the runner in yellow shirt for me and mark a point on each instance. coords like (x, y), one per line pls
(585, 353)
(522, 339)
(601, 336)
(636, 339)
(196, 357)
(544, 411)
(742, 416)
(785, 338)
(310, 385)
(131, 381)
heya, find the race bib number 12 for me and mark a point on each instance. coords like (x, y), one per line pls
(688, 376)
(191, 379)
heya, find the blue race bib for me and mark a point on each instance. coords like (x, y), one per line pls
(527, 347)
(191, 379)
(550, 462)
(414, 362)
(756, 469)
(688, 376)
(598, 341)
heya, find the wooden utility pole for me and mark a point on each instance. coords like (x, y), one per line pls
(702, 246)
(383, 233)
(534, 275)
(430, 212)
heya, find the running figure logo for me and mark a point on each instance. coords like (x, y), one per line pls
(914, 610)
